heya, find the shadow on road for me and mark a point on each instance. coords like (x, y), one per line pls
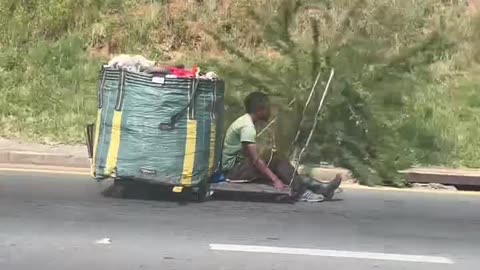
(144, 191)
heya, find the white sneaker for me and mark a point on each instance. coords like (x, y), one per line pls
(311, 197)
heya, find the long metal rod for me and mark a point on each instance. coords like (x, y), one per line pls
(309, 99)
(294, 150)
(299, 159)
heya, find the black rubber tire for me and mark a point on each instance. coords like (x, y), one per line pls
(200, 194)
(118, 190)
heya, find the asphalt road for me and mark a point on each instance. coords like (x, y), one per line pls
(55, 221)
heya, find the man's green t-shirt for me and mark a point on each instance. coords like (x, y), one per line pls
(240, 131)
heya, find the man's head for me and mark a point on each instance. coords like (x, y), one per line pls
(258, 106)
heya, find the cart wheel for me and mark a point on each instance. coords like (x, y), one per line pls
(117, 190)
(285, 199)
(200, 194)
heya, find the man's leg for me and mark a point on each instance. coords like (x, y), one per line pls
(243, 171)
(285, 171)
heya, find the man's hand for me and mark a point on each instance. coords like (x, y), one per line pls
(278, 184)
(250, 150)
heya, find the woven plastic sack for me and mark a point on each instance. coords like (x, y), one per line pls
(157, 129)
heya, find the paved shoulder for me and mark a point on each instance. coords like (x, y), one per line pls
(58, 224)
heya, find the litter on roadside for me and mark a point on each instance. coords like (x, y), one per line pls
(104, 241)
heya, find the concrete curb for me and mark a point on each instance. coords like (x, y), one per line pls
(22, 168)
(47, 159)
(77, 161)
(327, 174)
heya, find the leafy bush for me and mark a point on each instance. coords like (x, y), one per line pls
(385, 54)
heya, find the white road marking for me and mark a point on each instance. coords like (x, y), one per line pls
(332, 253)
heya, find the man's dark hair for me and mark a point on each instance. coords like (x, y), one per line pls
(255, 101)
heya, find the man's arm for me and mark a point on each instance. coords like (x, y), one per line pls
(250, 150)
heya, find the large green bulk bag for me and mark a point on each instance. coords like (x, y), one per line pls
(158, 129)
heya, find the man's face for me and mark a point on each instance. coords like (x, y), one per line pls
(264, 113)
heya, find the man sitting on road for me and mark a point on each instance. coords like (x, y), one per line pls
(242, 162)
